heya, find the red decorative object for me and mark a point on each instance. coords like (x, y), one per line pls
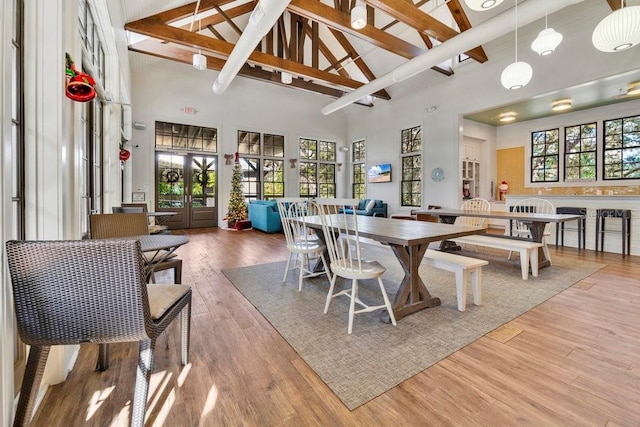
(124, 154)
(79, 85)
(242, 224)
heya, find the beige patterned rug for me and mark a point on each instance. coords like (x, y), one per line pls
(378, 356)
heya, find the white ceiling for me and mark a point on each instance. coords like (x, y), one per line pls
(603, 91)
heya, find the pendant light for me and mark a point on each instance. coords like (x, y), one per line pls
(482, 5)
(199, 60)
(286, 78)
(519, 73)
(547, 41)
(619, 30)
(358, 16)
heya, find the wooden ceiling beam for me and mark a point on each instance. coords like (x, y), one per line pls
(174, 53)
(332, 18)
(172, 15)
(158, 30)
(409, 14)
(216, 18)
(229, 20)
(357, 59)
(614, 4)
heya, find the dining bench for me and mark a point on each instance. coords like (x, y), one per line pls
(465, 269)
(527, 249)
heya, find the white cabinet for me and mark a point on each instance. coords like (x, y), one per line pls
(470, 168)
(470, 179)
(471, 151)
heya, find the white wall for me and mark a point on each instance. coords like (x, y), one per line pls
(162, 91)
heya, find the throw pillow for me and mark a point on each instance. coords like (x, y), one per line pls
(370, 205)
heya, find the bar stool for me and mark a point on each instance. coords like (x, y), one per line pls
(625, 215)
(582, 225)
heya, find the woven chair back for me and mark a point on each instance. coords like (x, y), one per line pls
(73, 292)
(106, 226)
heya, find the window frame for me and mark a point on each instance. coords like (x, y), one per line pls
(317, 168)
(545, 156)
(580, 152)
(411, 154)
(256, 154)
(359, 169)
(622, 148)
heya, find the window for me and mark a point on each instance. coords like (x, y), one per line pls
(580, 152)
(544, 159)
(622, 148)
(317, 168)
(92, 40)
(171, 136)
(411, 157)
(262, 164)
(359, 169)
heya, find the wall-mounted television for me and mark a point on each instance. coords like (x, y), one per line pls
(379, 173)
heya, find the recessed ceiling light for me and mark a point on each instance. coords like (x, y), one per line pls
(507, 117)
(561, 104)
(633, 88)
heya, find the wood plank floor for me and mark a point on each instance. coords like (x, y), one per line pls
(572, 361)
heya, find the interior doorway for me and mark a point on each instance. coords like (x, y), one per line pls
(187, 185)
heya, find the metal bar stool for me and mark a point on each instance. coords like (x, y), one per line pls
(625, 215)
(582, 226)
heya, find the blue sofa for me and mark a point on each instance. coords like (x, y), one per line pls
(264, 216)
(379, 209)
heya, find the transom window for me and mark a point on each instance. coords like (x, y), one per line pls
(544, 159)
(580, 151)
(622, 148)
(317, 168)
(359, 170)
(172, 136)
(411, 157)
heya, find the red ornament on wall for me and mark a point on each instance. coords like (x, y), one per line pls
(124, 154)
(79, 85)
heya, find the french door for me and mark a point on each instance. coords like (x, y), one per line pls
(187, 185)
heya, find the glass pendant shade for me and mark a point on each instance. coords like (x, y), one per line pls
(359, 16)
(618, 31)
(199, 61)
(516, 75)
(481, 5)
(546, 42)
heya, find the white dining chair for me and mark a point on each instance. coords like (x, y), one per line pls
(346, 257)
(476, 204)
(521, 229)
(303, 244)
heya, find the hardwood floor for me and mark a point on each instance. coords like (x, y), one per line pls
(573, 360)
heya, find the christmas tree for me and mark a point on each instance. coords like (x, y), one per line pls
(237, 205)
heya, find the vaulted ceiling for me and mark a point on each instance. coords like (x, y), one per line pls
(312, 40)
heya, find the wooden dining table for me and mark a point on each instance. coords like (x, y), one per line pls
(409, 241)
(536, 222)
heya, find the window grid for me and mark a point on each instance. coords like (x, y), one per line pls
(317, 168)
(90, 36)
(262, 160)
(622, 148)
(411, 158)
(173, 136)
(358, 168)
(545, 157)
(580, 152)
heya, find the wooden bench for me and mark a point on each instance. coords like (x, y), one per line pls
(465, 268)
(527, 249)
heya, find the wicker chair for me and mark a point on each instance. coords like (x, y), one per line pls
(108, 226)
(89, 291)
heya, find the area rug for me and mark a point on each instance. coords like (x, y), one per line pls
(379, 356)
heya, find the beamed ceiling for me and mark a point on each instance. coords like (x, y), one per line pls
(312, 40)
